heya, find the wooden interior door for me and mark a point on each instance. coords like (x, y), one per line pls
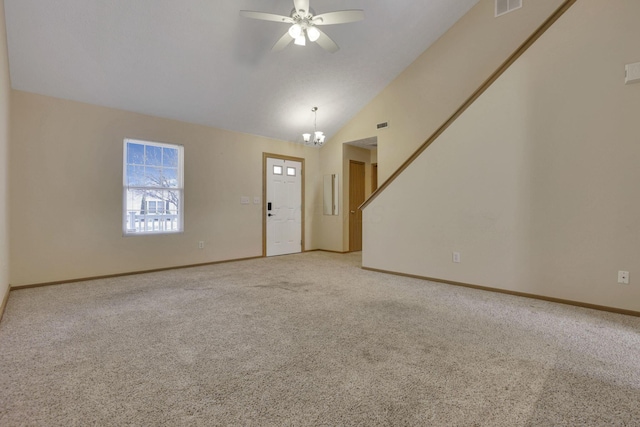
(356, 198)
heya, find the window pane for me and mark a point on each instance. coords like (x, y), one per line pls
(277, 170)
(139, 204)
(172, 199)
(135, 154)
(153, 155)
(132, 197)
(136, 211)
(144, 206)
(170, 157)
(153, 177)
(170, 177)
(135, 176)
(291, 171)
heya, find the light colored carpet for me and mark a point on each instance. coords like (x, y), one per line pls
(309, 339)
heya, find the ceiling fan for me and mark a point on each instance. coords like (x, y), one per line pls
(304, 24)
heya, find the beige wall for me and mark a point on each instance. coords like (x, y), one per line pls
(66, 198)
(536, 184)
(424, 95)
(5, 93)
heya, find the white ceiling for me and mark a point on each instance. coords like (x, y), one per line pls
(200, 62)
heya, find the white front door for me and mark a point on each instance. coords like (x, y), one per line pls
(284, 206)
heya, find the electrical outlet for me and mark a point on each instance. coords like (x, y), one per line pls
(256, 200)
(623, 277)
(201, 244)
(456, 257)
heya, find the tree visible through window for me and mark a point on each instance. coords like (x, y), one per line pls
(152, 191)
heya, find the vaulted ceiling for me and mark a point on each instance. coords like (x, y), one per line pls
(201, 62)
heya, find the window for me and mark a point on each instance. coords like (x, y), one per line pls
(152, 187)
(291, 171)
(157, 206)
(151, 207)
(277, 170)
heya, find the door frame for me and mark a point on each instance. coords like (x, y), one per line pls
(364, 191)
(374, 176)
(264, 198)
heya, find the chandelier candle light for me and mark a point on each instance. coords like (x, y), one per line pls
(318, 136)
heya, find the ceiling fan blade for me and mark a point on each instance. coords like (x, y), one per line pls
(266, 16)
(301, 5)
(326, 43)
(282, 43)
(339, 17)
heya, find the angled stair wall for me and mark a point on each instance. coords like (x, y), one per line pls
(533, 184)
(426, 93)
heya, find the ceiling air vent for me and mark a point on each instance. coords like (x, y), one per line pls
(382, 125)
(506, 6)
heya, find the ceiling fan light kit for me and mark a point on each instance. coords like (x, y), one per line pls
(295, 31)
(304, 24)
(313, 34)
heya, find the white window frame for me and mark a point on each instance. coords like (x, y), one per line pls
(179, 189)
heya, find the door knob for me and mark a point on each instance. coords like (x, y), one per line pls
(353, 212)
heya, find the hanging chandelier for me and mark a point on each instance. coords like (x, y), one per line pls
(318, 136)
